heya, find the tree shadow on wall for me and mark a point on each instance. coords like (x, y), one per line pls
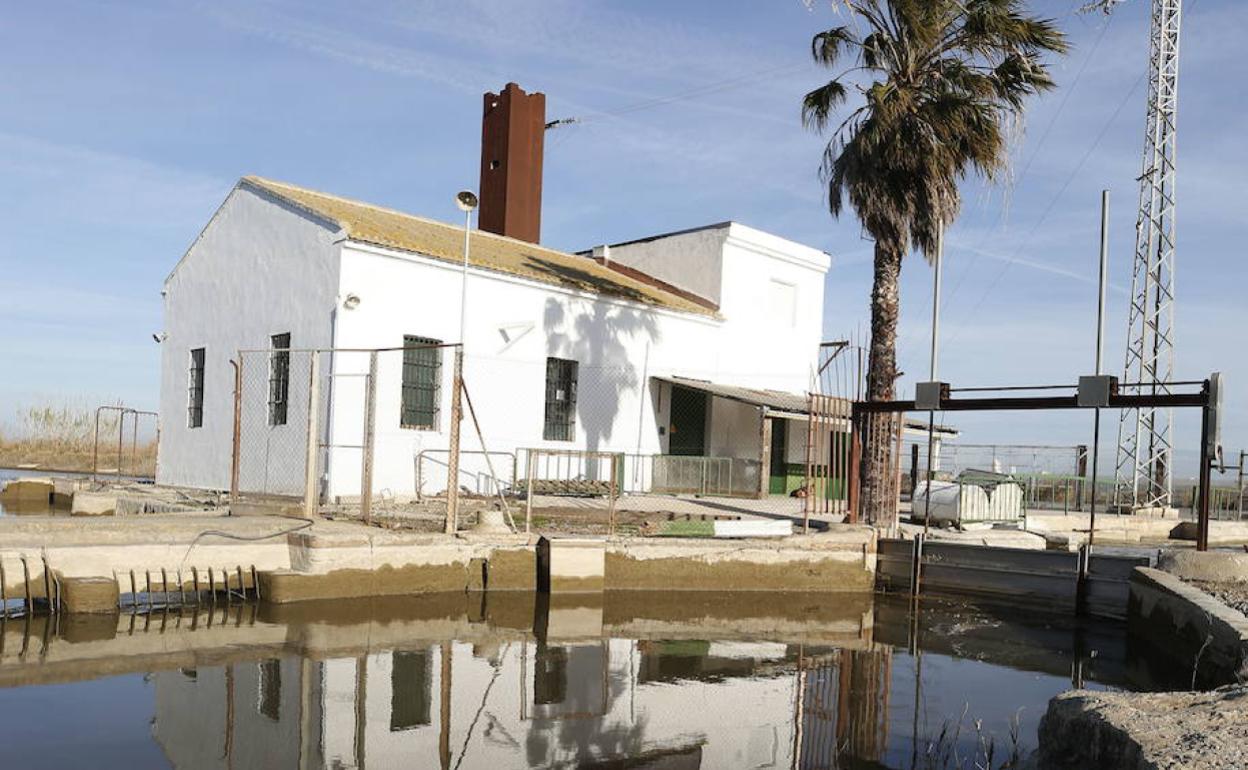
(599, 341)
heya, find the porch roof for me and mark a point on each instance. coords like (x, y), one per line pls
(781, 403)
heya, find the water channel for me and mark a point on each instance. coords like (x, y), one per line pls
(659, 681)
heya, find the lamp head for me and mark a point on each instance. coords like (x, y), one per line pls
(466, 200)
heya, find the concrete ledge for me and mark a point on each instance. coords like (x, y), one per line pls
(1189, 624)
(841, 560)
(571, 564)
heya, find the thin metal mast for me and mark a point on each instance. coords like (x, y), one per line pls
(1145, 435)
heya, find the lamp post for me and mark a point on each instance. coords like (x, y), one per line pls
(467, 202)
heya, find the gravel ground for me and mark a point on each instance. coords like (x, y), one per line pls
(1232, 594)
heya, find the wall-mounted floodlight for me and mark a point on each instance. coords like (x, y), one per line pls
(466, 200)
(351, 302)
(160, 337)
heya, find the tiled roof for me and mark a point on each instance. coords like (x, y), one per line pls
(379, 226)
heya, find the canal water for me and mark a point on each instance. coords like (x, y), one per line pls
(660, 681)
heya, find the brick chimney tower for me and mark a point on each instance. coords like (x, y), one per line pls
(512, 132)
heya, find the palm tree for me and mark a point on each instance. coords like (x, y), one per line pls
(941, 83)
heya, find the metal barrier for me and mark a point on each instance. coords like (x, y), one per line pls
(486, 482)
(134, 468)
(571, 472)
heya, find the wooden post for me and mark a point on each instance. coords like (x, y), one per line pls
(310, 498)
(452, 463)
(370, 432)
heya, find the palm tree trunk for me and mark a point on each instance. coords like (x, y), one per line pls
(878, 505)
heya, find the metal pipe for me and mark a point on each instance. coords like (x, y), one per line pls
(1100, 349)
(463, 282)
(236, 446)
(932, 370)
(370, 432)
(310, 498)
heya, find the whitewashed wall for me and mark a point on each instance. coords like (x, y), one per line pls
(259, 268)
(514, 324)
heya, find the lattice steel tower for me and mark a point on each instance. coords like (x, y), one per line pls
(1145, 435)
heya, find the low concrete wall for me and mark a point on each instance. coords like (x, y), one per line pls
(367, 562)
(1189, 625)
(842, 559)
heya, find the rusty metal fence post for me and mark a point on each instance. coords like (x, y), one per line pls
(452, 469)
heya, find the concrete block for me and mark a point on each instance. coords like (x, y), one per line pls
(491, 522)
(93, 504)
(89, 595)
(1156, 512)
(1211, 566)
(28, 491)
(571, 564)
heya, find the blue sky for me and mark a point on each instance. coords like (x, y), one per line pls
(123, 125)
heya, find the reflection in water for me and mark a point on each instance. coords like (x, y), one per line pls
(629, 681)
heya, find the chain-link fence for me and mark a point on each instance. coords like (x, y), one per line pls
(582, 445)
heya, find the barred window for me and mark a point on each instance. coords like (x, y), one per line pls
(279, 377)
(560, 400)
(195, 390)
(422, 381)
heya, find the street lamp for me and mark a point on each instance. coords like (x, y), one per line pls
(467, 202)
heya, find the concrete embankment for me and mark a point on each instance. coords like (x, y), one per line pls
(1196, 630)
(179, 554)
(369, 562)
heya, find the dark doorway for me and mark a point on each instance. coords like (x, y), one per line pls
(687, 426)
(779, 479)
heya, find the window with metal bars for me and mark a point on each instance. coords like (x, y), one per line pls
(195, 390)
(279, 377)
(422, 382)
(560, 400)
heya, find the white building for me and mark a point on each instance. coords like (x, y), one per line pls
(588, 351)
